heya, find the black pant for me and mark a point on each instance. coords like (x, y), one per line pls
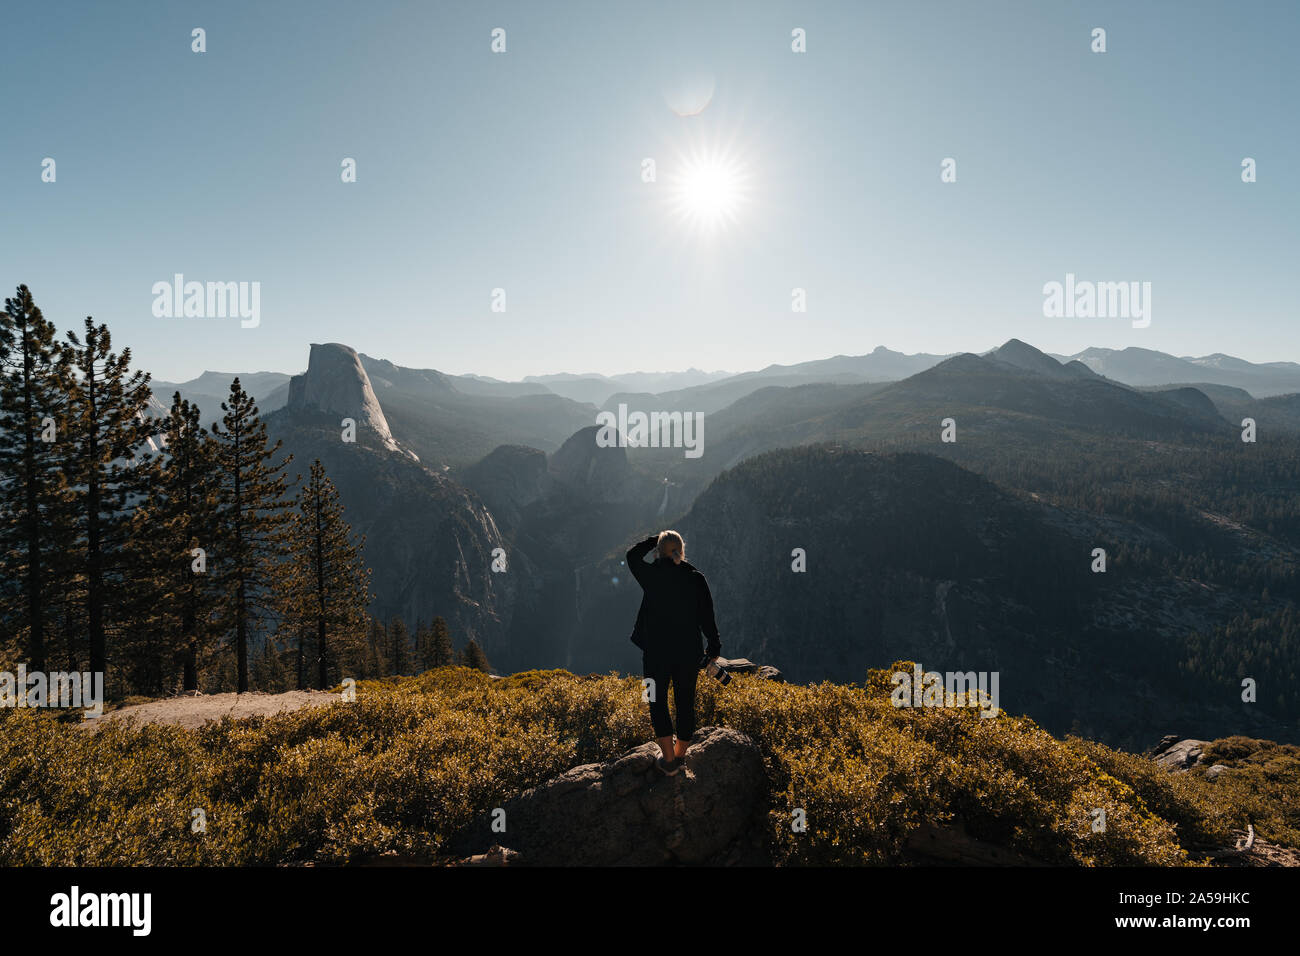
(682, 672)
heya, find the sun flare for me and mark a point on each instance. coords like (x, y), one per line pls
(709, 191)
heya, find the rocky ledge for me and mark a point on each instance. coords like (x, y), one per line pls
(626, 812)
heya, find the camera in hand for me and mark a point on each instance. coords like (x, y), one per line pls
(712, 668)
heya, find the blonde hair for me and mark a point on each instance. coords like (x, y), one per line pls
(669, 536)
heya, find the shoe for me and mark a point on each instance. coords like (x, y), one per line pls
(669, 767)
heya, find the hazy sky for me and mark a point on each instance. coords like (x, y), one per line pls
(523, 171)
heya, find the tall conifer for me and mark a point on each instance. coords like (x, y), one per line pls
(251, 518)
(34, 494)
(325, 586)
(107, 459)
(439, 652)
(177, 537)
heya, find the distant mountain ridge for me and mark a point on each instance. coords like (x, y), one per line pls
(881, 364)
(209, 390)
(711, 391)
(1138, 367)
(596, 388)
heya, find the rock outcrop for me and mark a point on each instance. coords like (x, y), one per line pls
(336, 384)
(626, 812)
(743, 665)
(1176, 755)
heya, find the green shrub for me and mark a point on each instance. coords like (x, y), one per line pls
(415, 759)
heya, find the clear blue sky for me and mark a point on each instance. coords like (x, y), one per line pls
(522, 171)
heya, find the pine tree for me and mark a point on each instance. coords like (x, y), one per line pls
(439, 652)
(377, 639)
(350, 652)
(401, 640)
(420, 652)
(106, 458)
(34, 494)
(473, 656)
(177, 532)
(251, 517)
(325, 586)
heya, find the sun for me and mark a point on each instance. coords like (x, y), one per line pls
(708, 191)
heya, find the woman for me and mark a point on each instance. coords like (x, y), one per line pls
(676, 608)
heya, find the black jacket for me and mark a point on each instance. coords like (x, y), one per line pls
(676, 607)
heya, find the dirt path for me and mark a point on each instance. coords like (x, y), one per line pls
(193, 712)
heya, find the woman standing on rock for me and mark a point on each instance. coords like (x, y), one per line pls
(675, 610)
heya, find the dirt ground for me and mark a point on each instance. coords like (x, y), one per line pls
(193, 712)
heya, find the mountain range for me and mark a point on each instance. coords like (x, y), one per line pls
(975, 553)
(711, 391)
